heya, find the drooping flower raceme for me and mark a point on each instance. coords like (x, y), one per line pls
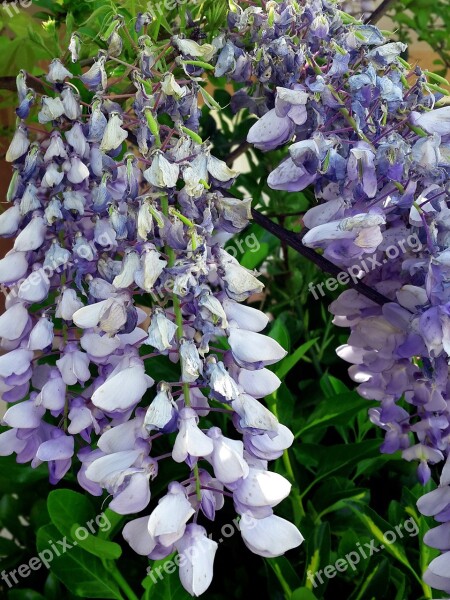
(115, 266)
(372, 139)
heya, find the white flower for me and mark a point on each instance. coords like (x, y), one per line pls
(52, 177)
(219, 169)
(433, 121)
(74, 367)
(190, 441)
(250, 348)
(161, 331)
(41, 336)
(262, 488)
(35, 287)
(32, 236)
(191, 48)
(253, 414)
(167, 522)
(113, 135)
(52, 109)
(71, 103)
(13, 322)
(240, 282)
(191, 363)
(74, 46)
(99, 346)
(78, 171)
(123, 389)
(77, 140)
(259, 383)
(161, 172)
(220, 381)
(56, 148)
(9, 220)
(152, 265)
(197, 554)
(130, 265)
(271, 536)
(244, 316)
(57, 72)
(161, 410)
(13, 267)
(106, 469)
(170, 87)
(18, 146)
(227, 457)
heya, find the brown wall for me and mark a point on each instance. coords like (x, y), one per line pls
(6, 119)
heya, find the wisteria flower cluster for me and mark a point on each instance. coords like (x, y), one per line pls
(372, 137)
(110, 205)
(116, 199)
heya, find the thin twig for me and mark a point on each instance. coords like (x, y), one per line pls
(241, 149)
(294, 240)
(379, 12)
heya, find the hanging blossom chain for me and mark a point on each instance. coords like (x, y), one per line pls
(372, 137)
(116, 203)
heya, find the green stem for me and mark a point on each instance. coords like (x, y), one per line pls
(115, 520)
(183, 219)
(179, 323)
(417, 130)
(299, 511)
(121, 581)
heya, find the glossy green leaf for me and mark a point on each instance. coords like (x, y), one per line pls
(95, 545)
(66, 507)
(83, 574)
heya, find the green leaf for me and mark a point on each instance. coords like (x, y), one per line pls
(374, 581)
(345, 457)
(377, 528)
(8, 547)
(66, 507)
(253, 258)
(284, 572)
(280, 334)
(24, 595)
(290, 361)
(331, 495)
(399, 580)
(14, 476)
(96, 546)
(336, 410)
(318, 547)
(83, 574)
(331, 385)
(52, 588)
(303, 594)
(209, 100)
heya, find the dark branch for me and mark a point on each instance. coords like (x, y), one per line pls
(294, 240)
(8, 83)
(379, 12)
(243, 147)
